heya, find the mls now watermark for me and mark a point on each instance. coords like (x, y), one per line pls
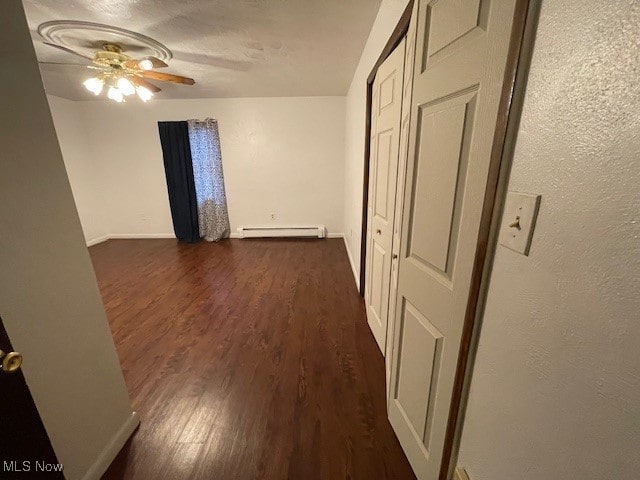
(16, 466)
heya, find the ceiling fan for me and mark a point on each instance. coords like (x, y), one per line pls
(123, 75)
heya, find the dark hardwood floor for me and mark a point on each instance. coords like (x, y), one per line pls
(246, 359)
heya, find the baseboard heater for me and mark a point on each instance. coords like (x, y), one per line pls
(262, 232)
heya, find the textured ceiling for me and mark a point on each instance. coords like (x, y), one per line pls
(232, 48)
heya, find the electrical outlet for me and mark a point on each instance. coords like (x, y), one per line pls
(273, 216)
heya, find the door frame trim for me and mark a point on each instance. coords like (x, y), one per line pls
(508, 119)
(396, 37)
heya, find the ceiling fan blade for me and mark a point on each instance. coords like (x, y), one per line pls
(141, 82)
(68, 50)
(65, 63)
(156, 62)
(62, 64)
(168, 77)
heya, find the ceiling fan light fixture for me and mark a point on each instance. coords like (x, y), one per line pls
(119, 71)
(115, 94)
(145, 64)
(144, 93)
(94, 85)
(125, 86)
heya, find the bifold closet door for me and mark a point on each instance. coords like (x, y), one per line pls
(458, 72)
(386, 109)
(405, 124)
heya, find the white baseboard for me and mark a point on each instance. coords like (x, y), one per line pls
(95, 241)
(113, 448)
(125, 236)
(353, 265)
(128, 236)
(329, 235)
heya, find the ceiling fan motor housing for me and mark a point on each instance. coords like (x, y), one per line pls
(111, 56)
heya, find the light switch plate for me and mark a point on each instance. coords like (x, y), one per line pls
(461, 474)
(518, 221)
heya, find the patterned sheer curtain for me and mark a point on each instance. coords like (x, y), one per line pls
(213, 216)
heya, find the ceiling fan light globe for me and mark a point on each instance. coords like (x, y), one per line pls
(144, 93)
(145, 64)
(125, 86)
(115, 94)
(94, 85)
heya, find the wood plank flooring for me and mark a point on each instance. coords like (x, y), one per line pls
(246, 359)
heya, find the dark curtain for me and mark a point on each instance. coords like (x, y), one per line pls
(178, 169)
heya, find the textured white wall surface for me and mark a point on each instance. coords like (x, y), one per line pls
(555, 392)
(85, 171)
(280, 155)
(388, 16)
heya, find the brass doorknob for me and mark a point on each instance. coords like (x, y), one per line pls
(11, 361)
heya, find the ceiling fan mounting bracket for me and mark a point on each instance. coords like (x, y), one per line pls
(111, 47)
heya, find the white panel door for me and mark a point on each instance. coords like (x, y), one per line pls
(386, 109)
(459, 65)
(405, 125)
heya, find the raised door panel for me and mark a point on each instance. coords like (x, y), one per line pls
(388, 91)
(444, 131)
(451, 23)
(418, 368)
(383, 168)
(376, 302)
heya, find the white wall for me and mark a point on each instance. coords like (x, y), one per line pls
(280, 155)
(356, 102)
(85, 171)
(555, 392)
(49, 298)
